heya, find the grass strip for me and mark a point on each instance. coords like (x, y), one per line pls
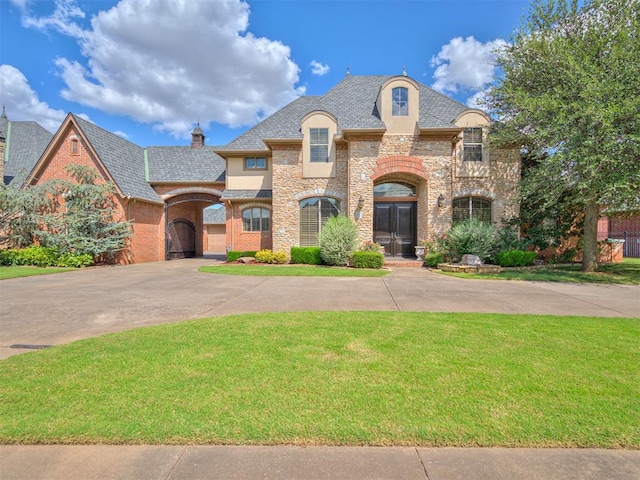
(20, 271)
(336, 378)
(292, 271)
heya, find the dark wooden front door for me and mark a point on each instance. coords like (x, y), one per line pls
(394, 227)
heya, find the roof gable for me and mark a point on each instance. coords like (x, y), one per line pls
(24, 144)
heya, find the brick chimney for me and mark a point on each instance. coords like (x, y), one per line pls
(197, 137)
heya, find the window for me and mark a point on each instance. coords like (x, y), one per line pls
(400, 102)
(466, 208)
(255, 163)
(74, 147)
(314, 212)
(319, 141)
(472, 143)
(394, 189)
(255, 219)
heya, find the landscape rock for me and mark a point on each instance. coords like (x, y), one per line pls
(246, 260)
(470, 260)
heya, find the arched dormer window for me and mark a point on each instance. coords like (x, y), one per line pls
(400, 102)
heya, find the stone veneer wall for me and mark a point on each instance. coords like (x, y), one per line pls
(426, 161)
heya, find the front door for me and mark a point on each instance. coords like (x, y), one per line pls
(394, 227)
(181, 239)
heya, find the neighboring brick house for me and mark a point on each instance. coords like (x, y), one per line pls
(403, 161)
(623, 225)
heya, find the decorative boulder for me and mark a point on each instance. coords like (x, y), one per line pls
(470, 260)
(246, 260)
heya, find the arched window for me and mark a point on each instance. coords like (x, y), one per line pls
(256, 219)
(394, 189)
(314, 212)
(465, 208)
(400, 102)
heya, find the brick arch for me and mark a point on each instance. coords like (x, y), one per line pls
(399, 164)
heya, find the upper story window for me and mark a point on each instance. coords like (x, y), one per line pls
(472, 143)
(400, 102)
(75, 149)
(255, 163)
(319, 143)
(255, 219)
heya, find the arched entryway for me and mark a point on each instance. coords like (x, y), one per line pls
(185, 234)
(395, 216)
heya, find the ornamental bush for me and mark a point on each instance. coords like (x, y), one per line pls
(473, 237)
(39, 256)
(306, 255)
(234, 255)
(368, 259)
(268, 256)
(515, 258)
(338, 240)
(433, 259)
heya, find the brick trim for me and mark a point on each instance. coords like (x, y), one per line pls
(182, 191)
(399, 164)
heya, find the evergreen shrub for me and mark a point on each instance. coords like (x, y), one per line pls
(433, 259)
(306, 255)
(473, 237)
(515, 258)
(268, 256)
(368, 259)
(338, 240)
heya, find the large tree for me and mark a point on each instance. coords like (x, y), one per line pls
(569, 90)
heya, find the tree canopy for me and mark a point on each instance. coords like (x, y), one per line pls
(569, 93)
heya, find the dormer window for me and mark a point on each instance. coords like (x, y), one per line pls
(400, 102)
(319, 144)
(472, 143)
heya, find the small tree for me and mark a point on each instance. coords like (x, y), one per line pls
(474, 237)
(85, 222)
(338, 240)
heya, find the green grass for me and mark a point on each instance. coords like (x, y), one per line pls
(336, 378)
(625, 273)
(292, 271)
(17, 272)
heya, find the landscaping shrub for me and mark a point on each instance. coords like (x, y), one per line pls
(338, 240)
(370, 246)
(368, 259)
(268, 256)
(306, 255)
(515, 258)
(39, 256)
(234, 255)
(473, 237)
(433, 259)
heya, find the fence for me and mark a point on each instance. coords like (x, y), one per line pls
(631, 243)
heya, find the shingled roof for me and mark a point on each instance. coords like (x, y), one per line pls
(352, 102)
(25, 143)
(124, 160)
(185, 164)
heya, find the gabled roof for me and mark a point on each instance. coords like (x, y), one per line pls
(353, 103)
(184, 164)
(24, 144)
(123, 160)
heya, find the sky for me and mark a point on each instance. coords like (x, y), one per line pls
(149, 70)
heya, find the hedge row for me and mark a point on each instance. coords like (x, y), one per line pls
(38, 256)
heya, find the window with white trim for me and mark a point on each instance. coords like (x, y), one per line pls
(400, 102)
(319, 143)
(256, 219)
(255, 163)
(466, 208)
(472, 144)
(314, 212)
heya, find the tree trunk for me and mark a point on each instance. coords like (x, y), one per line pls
(590, 248)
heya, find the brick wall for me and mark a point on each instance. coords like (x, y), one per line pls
(239, 240)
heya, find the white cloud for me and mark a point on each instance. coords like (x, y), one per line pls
(121, 134)
(22, 102)
(318, 68)
(22, 4)
(464, 64)
(61, 19)
(475, 100)
(170, 62)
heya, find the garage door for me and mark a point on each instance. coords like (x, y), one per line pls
(216, 239)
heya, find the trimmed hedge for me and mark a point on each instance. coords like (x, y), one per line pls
(364, 259)
(515, 258)
(268, 256)
(38, 256)
(433, 259)
(234, 255)
(306, 255)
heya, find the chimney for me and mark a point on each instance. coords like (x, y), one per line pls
(197, 137)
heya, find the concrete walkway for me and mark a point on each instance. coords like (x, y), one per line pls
(55, 309)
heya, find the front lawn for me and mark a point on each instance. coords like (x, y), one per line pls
(291, 270)
(20, 271)
(336, 378)
(625, 273)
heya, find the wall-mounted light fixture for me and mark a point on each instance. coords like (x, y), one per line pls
(440, 201)
(360, 203)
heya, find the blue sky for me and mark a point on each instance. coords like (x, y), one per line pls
(149, 69)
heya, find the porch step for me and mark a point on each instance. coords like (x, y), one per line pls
(403, 262)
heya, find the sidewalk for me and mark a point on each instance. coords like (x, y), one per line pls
(106, 462)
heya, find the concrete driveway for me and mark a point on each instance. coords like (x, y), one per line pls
(55, 309)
